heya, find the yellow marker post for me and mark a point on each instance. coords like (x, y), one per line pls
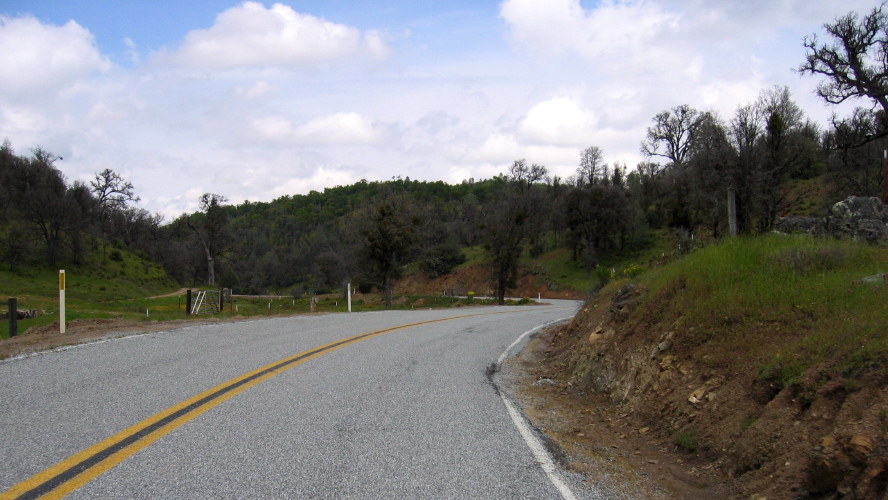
(61, 300)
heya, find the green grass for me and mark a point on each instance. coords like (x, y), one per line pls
(475, 256)
(558, 267)
(686, 440)
(109, 287)
(786, 302)
(124, 299)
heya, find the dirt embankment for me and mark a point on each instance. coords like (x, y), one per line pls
(626, 383)
(531, 284)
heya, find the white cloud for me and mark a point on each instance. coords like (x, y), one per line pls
(618, 37)
(133, 53)
(264, 131)
(274, 128)
(258, 89)
(339, 128)
(250, 35)
(319, 179)
(558, 121)
(334, 129)
(38, 58)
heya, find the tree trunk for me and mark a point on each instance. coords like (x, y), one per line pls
(387, 290)
(211, 271)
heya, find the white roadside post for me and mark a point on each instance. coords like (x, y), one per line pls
(61, 301)
(349, 293)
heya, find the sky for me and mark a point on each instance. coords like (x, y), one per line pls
(257, 100)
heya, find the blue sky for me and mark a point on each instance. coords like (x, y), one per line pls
(157, 24)
(256, 100)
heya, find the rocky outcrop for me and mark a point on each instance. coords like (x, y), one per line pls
(856, 217)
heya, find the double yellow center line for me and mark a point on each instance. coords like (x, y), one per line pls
(77, 470)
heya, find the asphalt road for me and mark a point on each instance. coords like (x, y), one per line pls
(407, 413)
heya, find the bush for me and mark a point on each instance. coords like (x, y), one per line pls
(633, 271)
(115, 255)
(441, 260)
(780, 371)
(686, 440)
(604, 274)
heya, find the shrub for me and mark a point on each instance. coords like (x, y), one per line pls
(604, 274)
(441, 260)
(686, 440)
(633, 271)
(780, 371)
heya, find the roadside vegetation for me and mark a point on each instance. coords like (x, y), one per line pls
(784, 303)
(763, 359)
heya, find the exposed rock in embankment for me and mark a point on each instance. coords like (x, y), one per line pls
(861, 218)
(820, 435)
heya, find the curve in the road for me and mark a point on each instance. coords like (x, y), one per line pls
(80, 468)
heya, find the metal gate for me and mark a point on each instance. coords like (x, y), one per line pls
(205, 302)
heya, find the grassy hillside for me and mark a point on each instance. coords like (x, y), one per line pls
(763, 357)
(786, 303)
(116, 286)
(121, 285)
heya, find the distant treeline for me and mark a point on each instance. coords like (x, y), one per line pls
(368, 232)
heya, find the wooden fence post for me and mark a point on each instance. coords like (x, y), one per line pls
(13, 317)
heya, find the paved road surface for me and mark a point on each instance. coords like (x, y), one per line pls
(407, 413)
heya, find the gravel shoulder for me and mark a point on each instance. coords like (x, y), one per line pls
(81, 331)
(601, 441)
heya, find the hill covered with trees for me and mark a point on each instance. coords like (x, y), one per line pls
(366, 233)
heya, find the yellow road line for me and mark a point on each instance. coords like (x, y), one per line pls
(81, 468)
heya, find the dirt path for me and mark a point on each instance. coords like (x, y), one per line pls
(180, 291)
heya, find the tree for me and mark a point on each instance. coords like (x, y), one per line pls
(505, 230)
(597, 216)
(210, 225)
(591, 166)
(36, 193)
(523, 176)
(112, 194)
(389, 232)
(856, 170)
(112, 191)
(671, 135)
(509, 220)
(745, 130)
(854, 63)
(709, 165)
(789, 145)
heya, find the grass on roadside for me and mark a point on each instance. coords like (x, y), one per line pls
(810, 299)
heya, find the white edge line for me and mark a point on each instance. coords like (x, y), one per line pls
(539, 451)
(110, 338)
